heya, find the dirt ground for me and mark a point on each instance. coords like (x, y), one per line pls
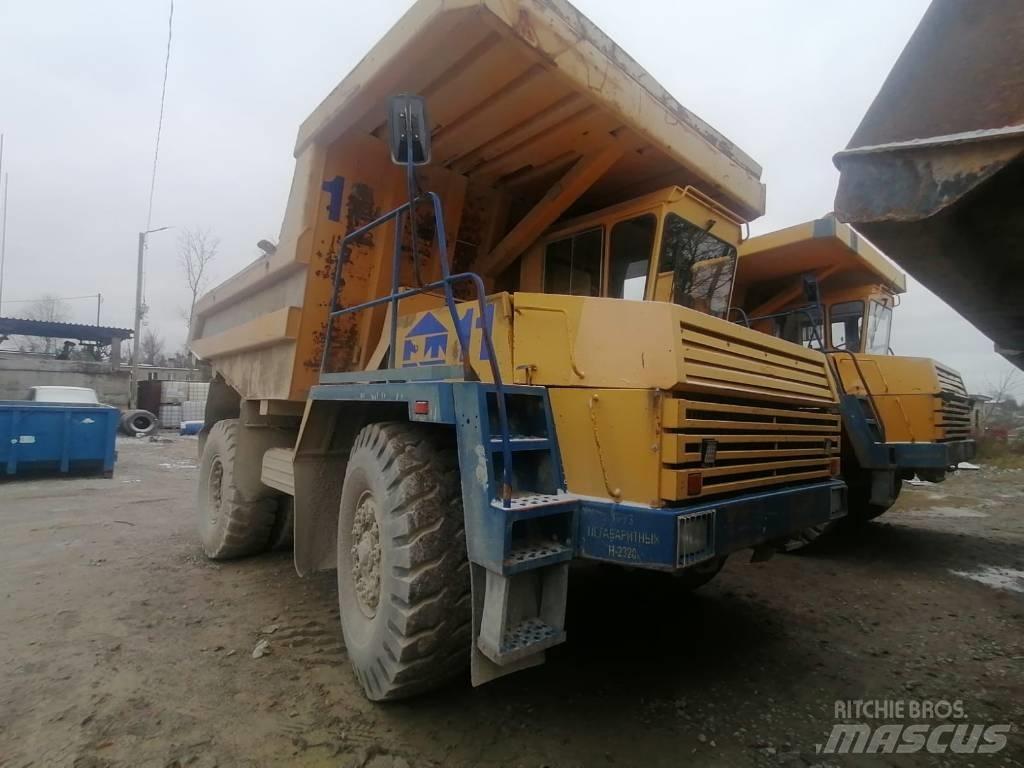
(120, 645)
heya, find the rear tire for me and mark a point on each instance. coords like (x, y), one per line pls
(229, 525)
(403, 576)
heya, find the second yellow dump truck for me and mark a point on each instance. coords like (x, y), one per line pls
(436, 383)
(902, 416)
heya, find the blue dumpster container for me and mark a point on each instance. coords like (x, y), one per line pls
(56, 437)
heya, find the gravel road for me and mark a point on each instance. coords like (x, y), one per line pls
(120, 645)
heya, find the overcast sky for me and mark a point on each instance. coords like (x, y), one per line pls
(79, 97)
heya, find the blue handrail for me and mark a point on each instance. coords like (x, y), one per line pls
(447, 280)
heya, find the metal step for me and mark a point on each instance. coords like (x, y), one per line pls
(524, 639)
(536, 554)
(527, 505)
(522, 443)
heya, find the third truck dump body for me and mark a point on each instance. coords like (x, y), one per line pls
(935, 171)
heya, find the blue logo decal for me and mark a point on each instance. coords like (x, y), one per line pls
(427, 341)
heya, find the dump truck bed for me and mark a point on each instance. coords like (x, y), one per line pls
(536, 114)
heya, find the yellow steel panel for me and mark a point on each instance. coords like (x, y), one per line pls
(609, 442)
(592, 342)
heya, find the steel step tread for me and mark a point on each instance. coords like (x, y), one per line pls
(536, 554)
(525, 639)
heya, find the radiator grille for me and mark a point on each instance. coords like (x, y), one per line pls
(752, 445)
(747, 363)
(954, 407)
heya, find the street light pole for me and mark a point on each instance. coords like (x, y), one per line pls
(136, 341)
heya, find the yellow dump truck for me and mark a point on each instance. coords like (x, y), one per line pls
(820, 285)
(436, 383)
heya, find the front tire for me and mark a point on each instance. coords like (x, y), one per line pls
(403, 576)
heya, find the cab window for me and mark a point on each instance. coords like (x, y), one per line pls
(572, 265)
(846, 325)
(630, 256)
(879, 328)
(803, 327)
(700, 267)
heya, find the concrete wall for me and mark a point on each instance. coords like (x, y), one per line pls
(18, 372)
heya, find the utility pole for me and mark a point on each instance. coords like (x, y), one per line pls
(99, 303)
(136, 341)
(3, 235)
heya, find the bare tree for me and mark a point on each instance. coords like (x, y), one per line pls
(151, 349)
(196, 249)
(1000, 393)
(47, 308)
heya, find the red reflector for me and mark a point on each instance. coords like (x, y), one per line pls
(421, 408)
(694, 484)
(834, 467)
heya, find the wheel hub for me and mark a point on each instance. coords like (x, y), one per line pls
(366, 555)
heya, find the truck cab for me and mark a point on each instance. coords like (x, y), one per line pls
(821, 285)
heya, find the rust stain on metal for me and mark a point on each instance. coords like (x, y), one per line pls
(360, 210)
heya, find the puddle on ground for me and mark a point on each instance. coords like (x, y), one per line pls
(946, 512)
(1009, 579)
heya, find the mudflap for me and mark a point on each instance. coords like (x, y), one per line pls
(482, 669)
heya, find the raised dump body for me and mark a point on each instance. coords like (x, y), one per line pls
(535, 112)
(448, 412)
(902, 415)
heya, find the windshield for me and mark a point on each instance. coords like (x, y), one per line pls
(846, 324)
(879, 328)
(701, 265)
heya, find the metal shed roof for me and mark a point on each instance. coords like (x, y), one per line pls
(16, 326)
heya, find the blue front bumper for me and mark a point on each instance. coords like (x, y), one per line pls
(932, 455)
(646, 537)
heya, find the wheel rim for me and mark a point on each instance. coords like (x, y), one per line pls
(216, 493)
(141, 423)
(366, 555)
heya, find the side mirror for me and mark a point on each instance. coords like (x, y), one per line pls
(408, 130)
(811, 290)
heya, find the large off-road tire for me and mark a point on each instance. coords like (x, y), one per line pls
(229, 524)
(403, 576)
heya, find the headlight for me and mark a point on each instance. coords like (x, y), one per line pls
(696, 537)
